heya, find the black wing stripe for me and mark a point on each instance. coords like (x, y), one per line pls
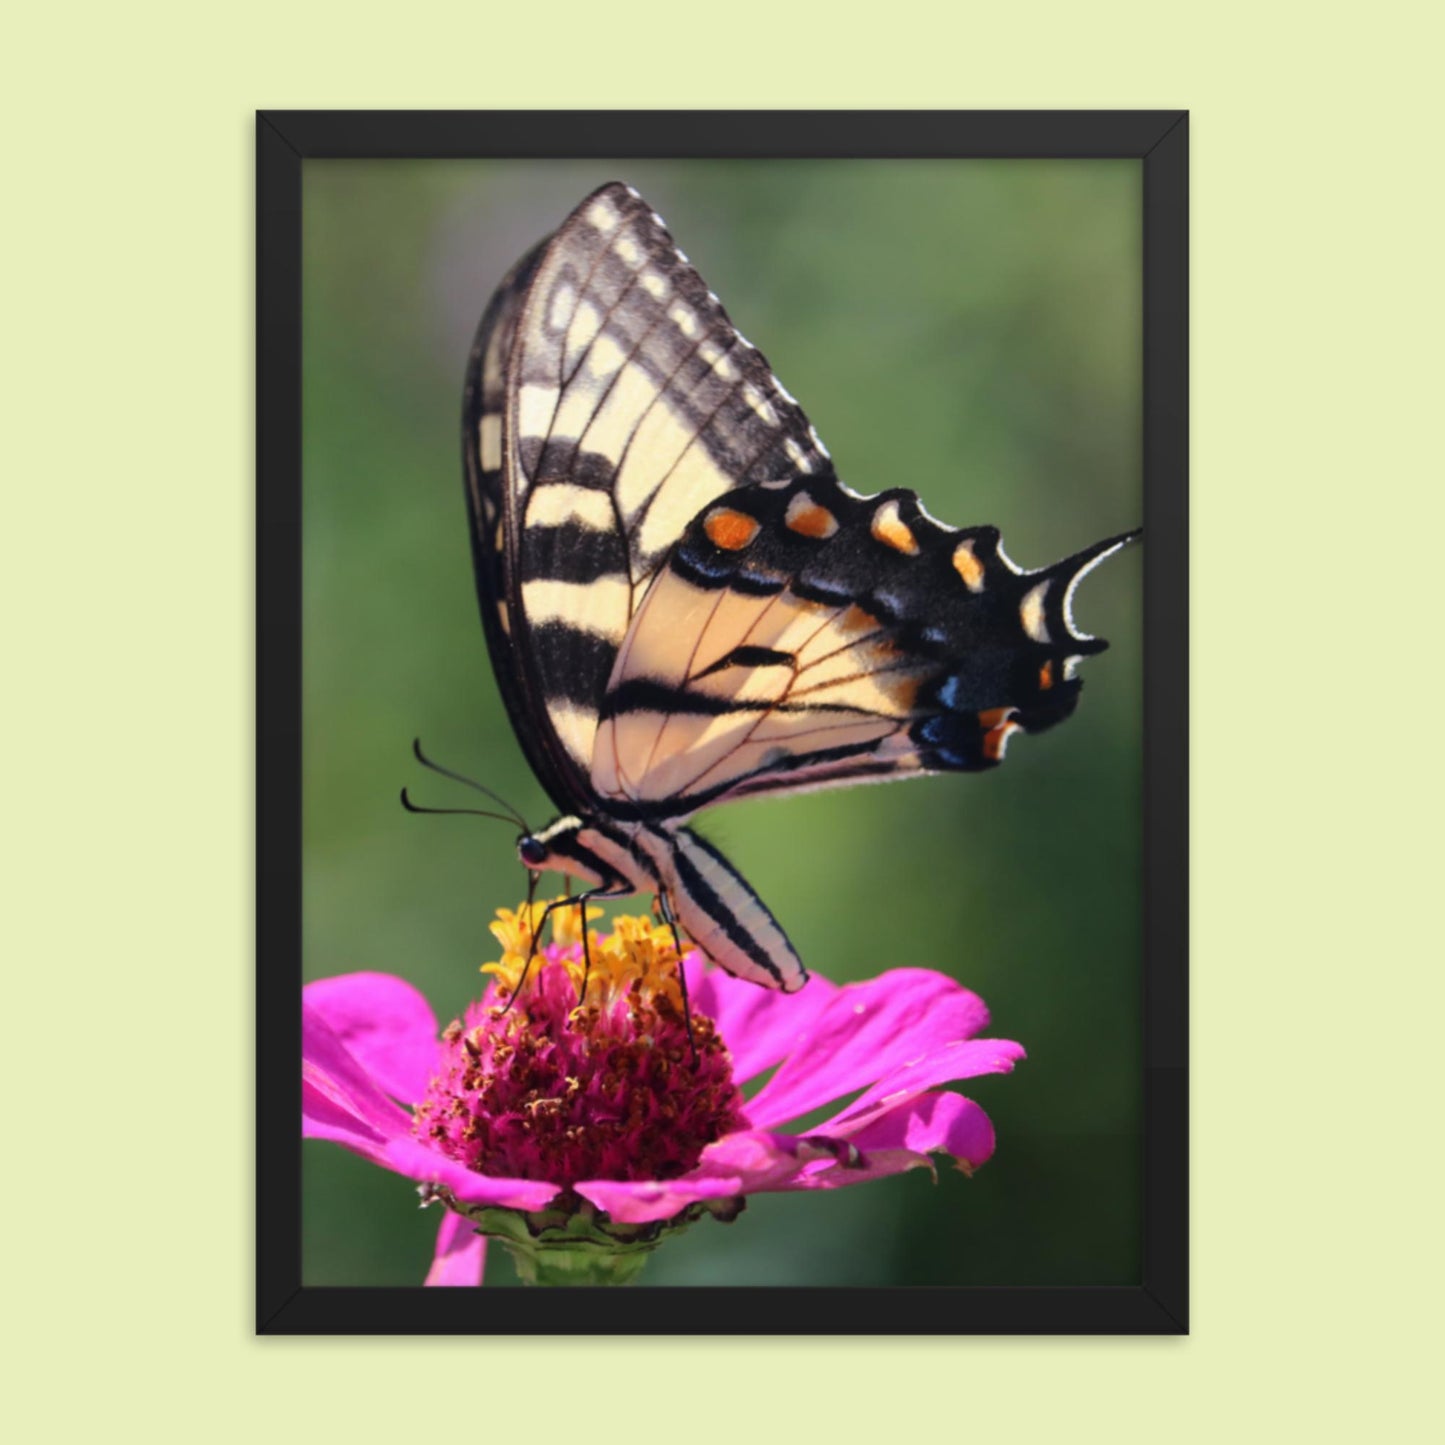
(573, 552)
(640, 694)
(746, 656)
(819, 767)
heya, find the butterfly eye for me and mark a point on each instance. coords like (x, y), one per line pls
(531, 852)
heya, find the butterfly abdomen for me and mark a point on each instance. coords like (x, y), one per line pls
(717, 909)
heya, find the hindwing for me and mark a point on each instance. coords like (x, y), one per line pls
(802, 636)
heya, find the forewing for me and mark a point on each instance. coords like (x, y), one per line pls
(802, 636)
(628, 401)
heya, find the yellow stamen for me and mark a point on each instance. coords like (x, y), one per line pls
(638, 956)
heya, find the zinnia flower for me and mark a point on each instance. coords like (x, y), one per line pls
(582, 1134)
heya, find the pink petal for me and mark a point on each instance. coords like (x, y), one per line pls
(866, 1031)
(741, 1163)
(408, 1156)
(340, 1102)
(335, 1088)
(388, 1027)
(905, 1139)
(932, 1123)
(413, 1159)
(323, 1119)
(963, 1060)
(755, 1162)
(460, 1255)
(758, 1025)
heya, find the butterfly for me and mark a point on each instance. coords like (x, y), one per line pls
(683, 603)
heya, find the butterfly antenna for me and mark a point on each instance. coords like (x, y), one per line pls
(426, 762)
(411, 807)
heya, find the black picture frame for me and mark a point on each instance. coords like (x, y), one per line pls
(1158, 1304)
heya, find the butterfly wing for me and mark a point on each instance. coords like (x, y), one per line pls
(802, 636)
(609, 400)
(683, 603)
(493, 565)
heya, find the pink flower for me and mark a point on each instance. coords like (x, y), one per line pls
(595, 1129)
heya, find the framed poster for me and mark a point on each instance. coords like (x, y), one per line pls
(984, 316)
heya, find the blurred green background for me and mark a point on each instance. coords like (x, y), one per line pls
(970, 329)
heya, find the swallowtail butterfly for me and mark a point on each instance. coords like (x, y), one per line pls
(683, 603)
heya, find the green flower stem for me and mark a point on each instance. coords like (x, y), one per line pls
(581, 1265)
(576, 1244)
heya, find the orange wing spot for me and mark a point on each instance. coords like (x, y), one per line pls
(995, 744)
(888, 528)
(968, 566)
(730, 530)
(995, 717)
(808, 519)
(1046, 676)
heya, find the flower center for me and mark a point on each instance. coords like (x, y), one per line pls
(535, 1085)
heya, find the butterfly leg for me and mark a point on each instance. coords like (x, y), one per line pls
(526, 967)
(671, 922)
(580, 902)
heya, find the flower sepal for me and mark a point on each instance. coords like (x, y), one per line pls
(572, 1242)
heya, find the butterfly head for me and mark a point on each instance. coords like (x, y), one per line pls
(552, 847)
(571, 845)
